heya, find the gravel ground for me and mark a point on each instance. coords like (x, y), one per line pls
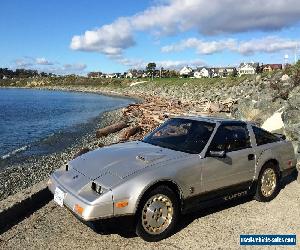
(53, 227)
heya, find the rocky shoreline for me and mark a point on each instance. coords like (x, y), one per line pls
(23, 175)
(256, 99)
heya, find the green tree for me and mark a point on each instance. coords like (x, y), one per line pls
(259, 69)
(151, 68)
(234, 72)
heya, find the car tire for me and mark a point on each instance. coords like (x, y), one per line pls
(157, 214)
(268, 184)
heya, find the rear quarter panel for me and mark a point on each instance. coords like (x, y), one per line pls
(281, 151)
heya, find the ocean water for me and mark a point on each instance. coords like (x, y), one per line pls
(37, 122)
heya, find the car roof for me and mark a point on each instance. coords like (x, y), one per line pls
(213, 119)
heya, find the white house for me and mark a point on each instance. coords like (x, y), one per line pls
(111, 75)
(186, 71)
(247, 68)
(197, 74)
(203, 72)
(129, 75)
(226, 71)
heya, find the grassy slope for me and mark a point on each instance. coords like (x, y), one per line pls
(121, 83)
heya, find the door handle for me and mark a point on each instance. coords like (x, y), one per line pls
(250, 157)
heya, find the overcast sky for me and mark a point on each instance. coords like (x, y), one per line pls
(64, 36)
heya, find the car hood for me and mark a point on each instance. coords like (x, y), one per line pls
(121, 160)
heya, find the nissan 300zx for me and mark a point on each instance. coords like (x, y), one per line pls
(184, 164)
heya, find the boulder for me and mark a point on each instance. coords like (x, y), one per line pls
(259, 109)
(291, 120)
(214, 107)
(294, 97)
(274, 123)
(258, 78)
(285, 78)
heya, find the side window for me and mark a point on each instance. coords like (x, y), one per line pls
(219, 141)
(231, 138)
(263, 137)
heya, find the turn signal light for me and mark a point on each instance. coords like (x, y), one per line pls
(78, 209)
(121, 204)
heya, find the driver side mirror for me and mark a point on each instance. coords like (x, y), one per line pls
(218, 154)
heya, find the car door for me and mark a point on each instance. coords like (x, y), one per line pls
(237, 167)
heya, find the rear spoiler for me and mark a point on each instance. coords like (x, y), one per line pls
(281, 136)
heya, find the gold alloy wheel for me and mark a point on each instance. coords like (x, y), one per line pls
(268, 182)
(157, 214)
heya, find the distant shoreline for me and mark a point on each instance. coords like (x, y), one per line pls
(80, 89)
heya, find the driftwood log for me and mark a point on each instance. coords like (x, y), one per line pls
(130, 132)
(111, 129)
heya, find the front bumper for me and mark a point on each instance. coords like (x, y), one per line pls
(89, 211)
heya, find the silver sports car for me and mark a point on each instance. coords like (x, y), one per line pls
(185, 163)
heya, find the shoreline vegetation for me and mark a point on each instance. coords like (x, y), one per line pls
(256, 98)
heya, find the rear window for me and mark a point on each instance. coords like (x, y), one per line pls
(263, 137)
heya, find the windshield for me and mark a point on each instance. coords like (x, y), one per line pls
(184, 135)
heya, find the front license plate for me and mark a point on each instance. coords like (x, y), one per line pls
(59, 196)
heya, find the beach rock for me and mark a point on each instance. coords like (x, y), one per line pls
(294, 97)
(285, 77)
(214, 107)
(259, 107)
(274, 123)
(291, 119)
(258, 78)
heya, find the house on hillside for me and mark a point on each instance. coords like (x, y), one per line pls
(113, 75)
(128, 74)
(222, 71)
(247, 68)
(226, 71)
(214, 72)
(197, 74)
(94, 74)
(110, 75)
(186, 72)
(202, 72)
(271, 67)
